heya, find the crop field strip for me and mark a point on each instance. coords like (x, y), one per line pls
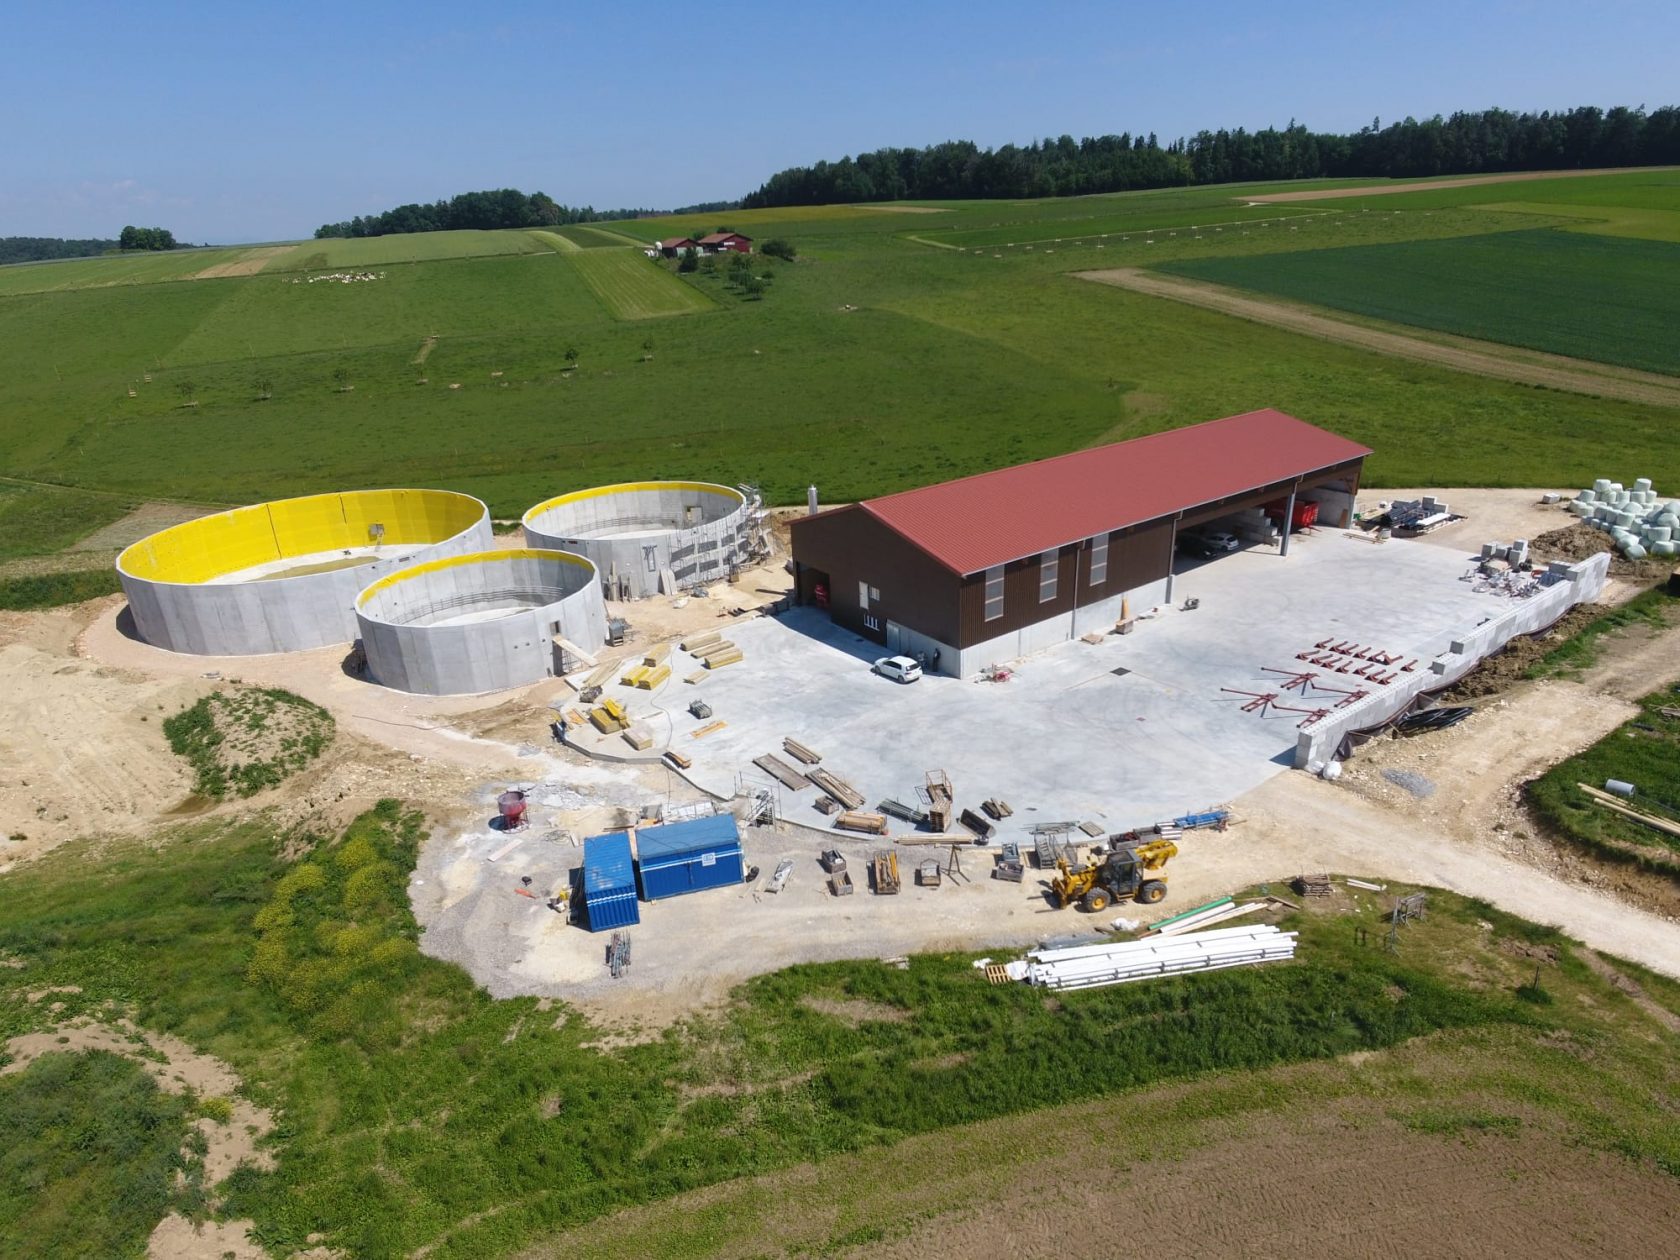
(631, 287)
(1612, 299)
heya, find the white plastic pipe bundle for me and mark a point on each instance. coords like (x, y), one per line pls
(1093, 966)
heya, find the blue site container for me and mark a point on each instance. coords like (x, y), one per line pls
(685, 857)
(609, 883)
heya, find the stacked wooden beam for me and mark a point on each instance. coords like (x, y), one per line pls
(836, 787)
(800, 752)
(856, 820)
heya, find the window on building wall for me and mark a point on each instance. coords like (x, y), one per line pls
(1099, 559)
(1048, 565)
(871, 623)
(863, 594)
(994, 593)
(874, 594)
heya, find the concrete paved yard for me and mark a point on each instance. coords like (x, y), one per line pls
(1069, 737)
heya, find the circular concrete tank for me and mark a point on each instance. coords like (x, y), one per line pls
(480, 622)
(283, 576)
(693, 531)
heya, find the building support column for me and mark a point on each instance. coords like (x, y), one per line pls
(1288, 519)
(1172, 558)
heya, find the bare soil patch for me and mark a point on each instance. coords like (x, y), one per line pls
(1460, 354)
(1429, 185)
(854, 1011)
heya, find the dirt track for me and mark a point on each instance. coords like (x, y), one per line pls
(1460, 354)
(1428, 185)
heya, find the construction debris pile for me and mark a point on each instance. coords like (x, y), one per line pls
(1640, 523)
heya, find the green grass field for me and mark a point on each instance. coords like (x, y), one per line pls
(632, 287)
(93, 273)
(876, 363)
(1592, 297)
(418, 1111)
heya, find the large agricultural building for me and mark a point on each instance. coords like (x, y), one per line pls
(994, 566)
(283, 576)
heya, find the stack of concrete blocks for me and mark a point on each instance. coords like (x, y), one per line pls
(486, 623)
(1562, 587)
(1637, 520)
(1254, 526)
(1513, 553)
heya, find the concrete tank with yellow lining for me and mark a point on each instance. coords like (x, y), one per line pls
(481, 622)
(650, 537)
(283, 576)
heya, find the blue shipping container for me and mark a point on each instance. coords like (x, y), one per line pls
(609, 883)
(685, 857)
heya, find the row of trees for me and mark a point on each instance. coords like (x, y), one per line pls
(1466, 143)
(16, 249)
(498, 208)
(154, 238)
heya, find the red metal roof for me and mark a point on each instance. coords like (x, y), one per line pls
(679, 242)
(995, 517)
(718, 238)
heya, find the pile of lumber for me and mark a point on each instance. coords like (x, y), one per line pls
(996, 808)
(800, 752)
(836, 787)
(712, 650)
(856, 820)
(597, 677)
(677, 759)
(884, 866)
(725, 654)
(651, 672)
(696, 645)
(609, 716)
(639, 738)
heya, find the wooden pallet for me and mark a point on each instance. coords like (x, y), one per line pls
(995, 974)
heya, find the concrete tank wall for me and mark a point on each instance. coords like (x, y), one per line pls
(181, 600)
(633, 532)
(410, 645)
(1570, 584)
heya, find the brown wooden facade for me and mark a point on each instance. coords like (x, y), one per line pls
(851, 553)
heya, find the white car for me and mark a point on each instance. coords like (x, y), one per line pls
(901, 668)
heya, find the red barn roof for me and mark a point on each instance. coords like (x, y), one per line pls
(992, 518)
(679, 242)
(718, 238)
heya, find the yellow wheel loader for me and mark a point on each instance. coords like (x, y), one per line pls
(1131, 873)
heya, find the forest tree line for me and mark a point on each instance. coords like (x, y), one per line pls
(1489, 140)
(489, 210)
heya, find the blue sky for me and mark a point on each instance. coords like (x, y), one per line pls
(242, 122)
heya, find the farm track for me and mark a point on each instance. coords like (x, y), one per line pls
(1461, 354)
(1432, 185)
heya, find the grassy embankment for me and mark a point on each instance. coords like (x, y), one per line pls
(416, 1110)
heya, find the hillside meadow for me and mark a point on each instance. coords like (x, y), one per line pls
(899, 349)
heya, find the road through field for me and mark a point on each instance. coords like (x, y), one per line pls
(1460, 354)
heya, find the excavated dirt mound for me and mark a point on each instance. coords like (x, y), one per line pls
(1579, 542)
